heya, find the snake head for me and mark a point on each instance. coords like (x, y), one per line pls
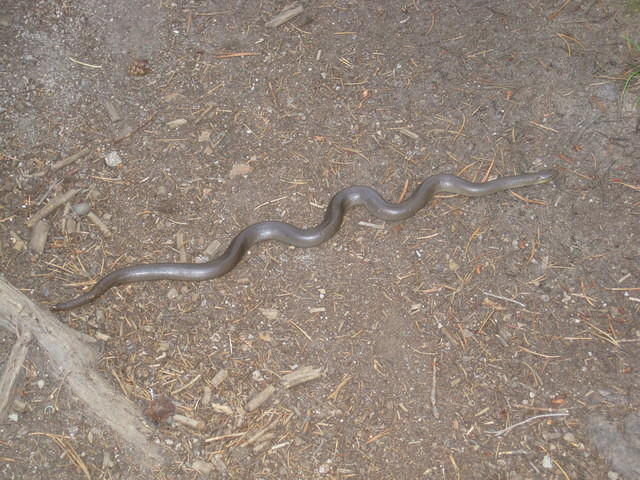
(545, 176)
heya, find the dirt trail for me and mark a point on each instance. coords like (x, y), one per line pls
(483, 338)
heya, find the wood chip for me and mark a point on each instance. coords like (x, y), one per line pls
(223, 409)
(180, 247)
(270, 313)
(219, 377)
(287, 13)
(39, 237)
(207, 394)
(302, 375)
(56, 202)
(408, 133)
(193, 423)
(97, 221)
(260, 398)
(178, 122)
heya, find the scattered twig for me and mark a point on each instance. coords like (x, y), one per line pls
(259, 434)
(434, 408)
(527, 200)
(334, 395)
(235, 54)
(137, 129)
(505, 299)
(405, 188)
(559, 10)
(543, 127)
(84, 64)
(69, 451)
(224, 437)
(187, 385)
(499, 433)
(56, 202)
(537, 354)
(70, 159)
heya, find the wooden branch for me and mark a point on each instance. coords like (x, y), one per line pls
(12, 370)
(72, 359)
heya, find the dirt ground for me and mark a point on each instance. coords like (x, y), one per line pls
(433, 337)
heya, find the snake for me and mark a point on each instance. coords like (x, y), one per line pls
(286, 233)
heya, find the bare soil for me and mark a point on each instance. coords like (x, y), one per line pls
(433, 336)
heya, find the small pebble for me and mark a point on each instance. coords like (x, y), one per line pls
(546, 462)
(172, 293)
(113, 159)
(569, 437)
(81, 208)
(40, 384)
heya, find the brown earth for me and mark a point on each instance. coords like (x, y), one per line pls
(512, 305)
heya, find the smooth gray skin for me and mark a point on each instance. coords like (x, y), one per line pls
(304, 238)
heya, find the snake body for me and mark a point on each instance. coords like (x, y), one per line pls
(304, 238)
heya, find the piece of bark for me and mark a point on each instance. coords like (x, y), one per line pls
(72, 358)
(302, 375)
